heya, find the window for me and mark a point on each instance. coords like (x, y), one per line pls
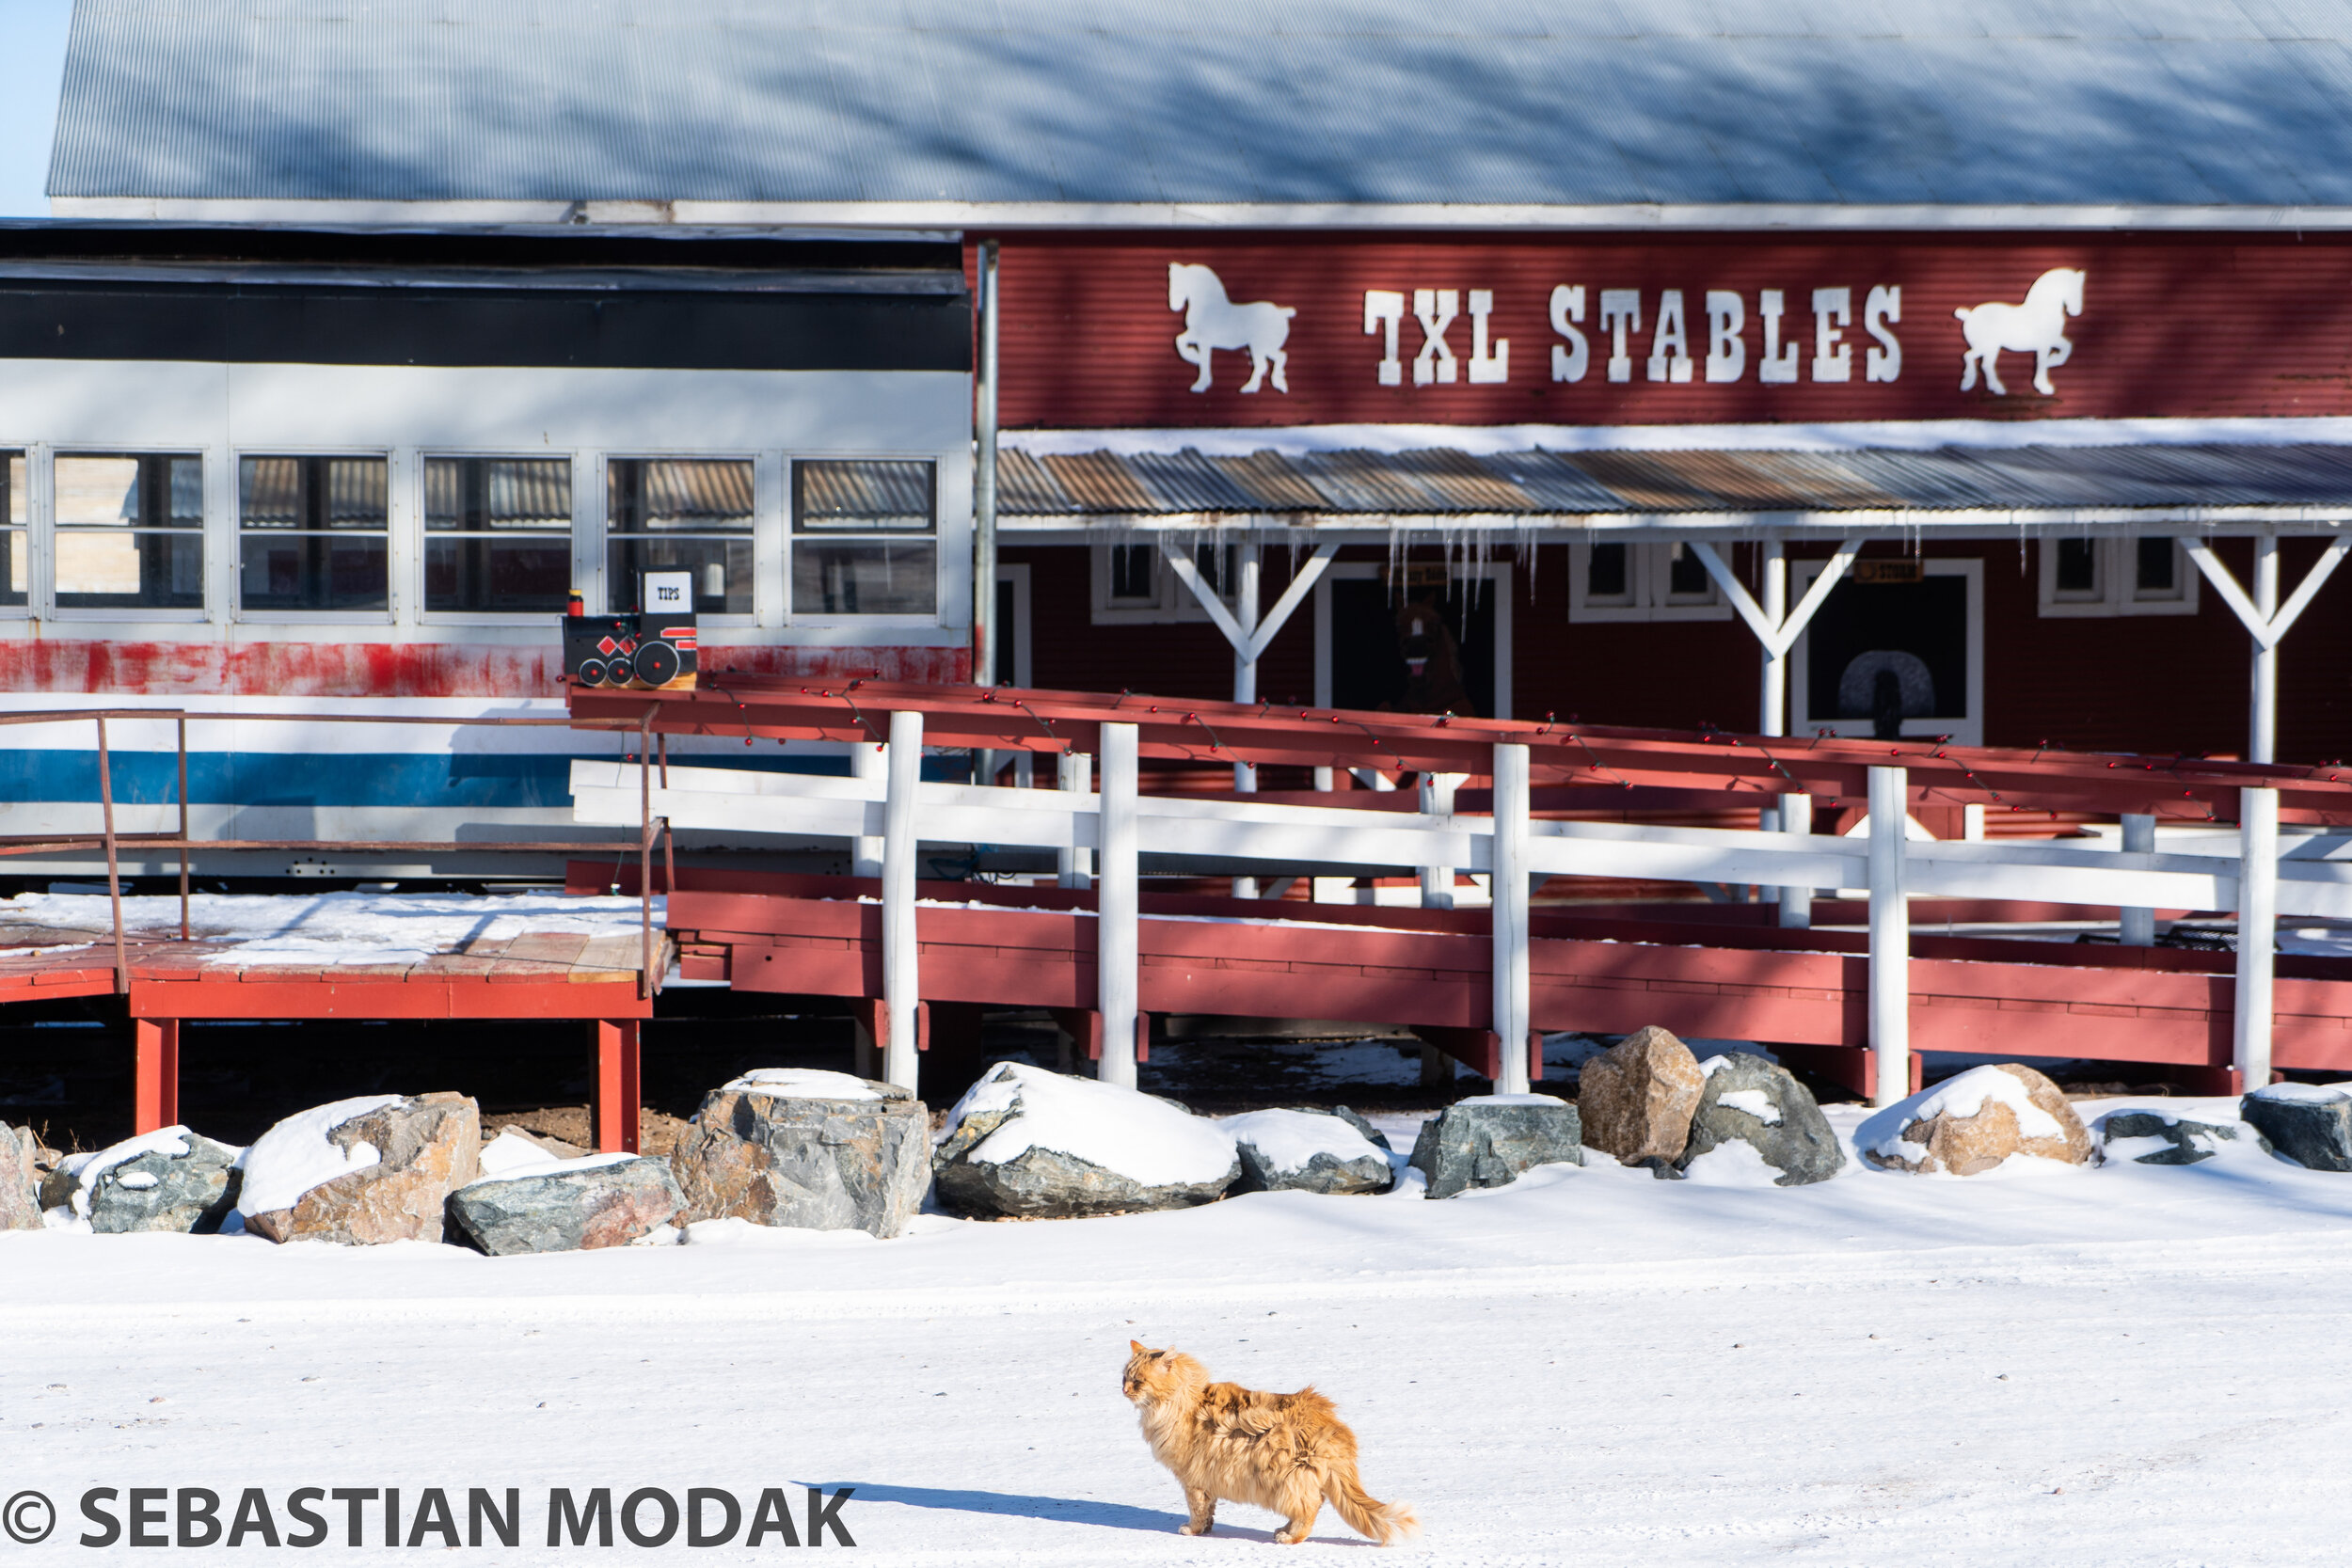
(129, 531)
(666, 515)
(2145, 574)
(1611, 582)
(864, 538)
(498, 533)
(16, 560)
(312, 534)
(1133, 585)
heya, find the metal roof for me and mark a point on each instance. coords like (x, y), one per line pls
(1370, 488)
(1348, 102)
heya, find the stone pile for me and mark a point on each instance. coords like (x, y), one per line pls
(810, 1151)
(1973, 1121)
(1649, 1101)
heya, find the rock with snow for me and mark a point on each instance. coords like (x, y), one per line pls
(1637, 1098)
(1490, 1140)
(1747, 1100)
(598, 1200)
(20, 1189)
(1973, 1121)
(2182, 1142)
(2308, 1123)
(1034, 1144)
(1306, 1152)
(808, 1149)
(373, 1169)
(168, 1180)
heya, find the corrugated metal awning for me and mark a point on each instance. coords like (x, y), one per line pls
(2307, 485)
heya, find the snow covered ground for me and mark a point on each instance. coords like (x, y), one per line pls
(334, 927)
(2127, 1364)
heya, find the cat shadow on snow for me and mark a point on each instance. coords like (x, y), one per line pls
(1071, 1510)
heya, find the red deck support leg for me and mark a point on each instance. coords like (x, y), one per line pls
(618, 1085)
(155, 1095)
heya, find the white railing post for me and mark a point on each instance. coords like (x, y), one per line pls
(1437, 810)
(2137, 928)
(866, 851)
(2257, 927)
(901, 984)
(1890, 937)
(1074, 772)
(1511, 998)
(2263, 743)
(1119, 907)
(1796, 903)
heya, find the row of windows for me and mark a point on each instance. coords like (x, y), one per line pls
(313, 532)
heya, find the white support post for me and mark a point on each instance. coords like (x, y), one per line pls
(1511, 998)
(2138, 927)
(1890, 937)
(901, 984)
(1796, 903)
(1119, 906)
(1776, 629)
(1775, 608)
(1436, 807)
(2257, 932)
(2263, 743)
(1246, 674)
(865, 850)
(1073, 771)
(2267, 622)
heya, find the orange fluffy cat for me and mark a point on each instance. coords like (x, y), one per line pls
(1289, 1452)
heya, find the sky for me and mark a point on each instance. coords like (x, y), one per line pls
(32, 40)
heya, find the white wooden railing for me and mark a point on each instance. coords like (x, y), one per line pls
(888, 808)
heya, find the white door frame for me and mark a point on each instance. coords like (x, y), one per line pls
(1968, 731)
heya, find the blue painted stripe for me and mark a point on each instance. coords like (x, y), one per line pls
(396, 779)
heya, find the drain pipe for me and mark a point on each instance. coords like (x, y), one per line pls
(984, 483)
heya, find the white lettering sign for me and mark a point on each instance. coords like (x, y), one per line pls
(1833, 359)
(1569, 361)
(1620, 309)
(1727, 351)
(1384, 313)
(1486, 368)
(1435, 309)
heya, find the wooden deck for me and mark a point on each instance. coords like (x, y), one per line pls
(551, 975)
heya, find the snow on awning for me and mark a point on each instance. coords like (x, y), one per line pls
(2208, 487)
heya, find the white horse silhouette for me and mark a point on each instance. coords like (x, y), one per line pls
(2037, 327)
(1211, 322)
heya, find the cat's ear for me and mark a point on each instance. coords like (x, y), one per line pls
(1136, 1345)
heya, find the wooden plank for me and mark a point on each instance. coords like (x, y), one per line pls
(554, 947)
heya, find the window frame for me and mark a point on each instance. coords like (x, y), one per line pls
(602, 461)
(43, 534)
(2115, 558)
(240, 615)
(425, 457)
(1651, 595)
(1173, 604)
(36, 556)
(1965, 730)
(938, 615)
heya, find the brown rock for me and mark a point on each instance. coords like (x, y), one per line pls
(427, 1146)
(1637, 1098)
(1968, 1145)
(19, 1188)
(806, 1161)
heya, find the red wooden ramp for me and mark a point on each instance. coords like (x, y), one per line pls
(1803, 992)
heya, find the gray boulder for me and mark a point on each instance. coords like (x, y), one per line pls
(1372, 1135)
(1488, 1140)
(1035, 1145)
(171, 1179)
(807, 1151)
(576, 1206)
(1307, 1151)
(2307, 1123)
(20, 1191)
(2190, 1140)
(1750, 1101)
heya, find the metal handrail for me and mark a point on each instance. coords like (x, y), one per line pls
(111, 841)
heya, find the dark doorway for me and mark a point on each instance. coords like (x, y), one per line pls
(1375, 645)
(1890, 651)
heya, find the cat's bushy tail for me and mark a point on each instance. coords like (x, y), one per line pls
(1367, 1515)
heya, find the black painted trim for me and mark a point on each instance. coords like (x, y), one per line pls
(640, 328)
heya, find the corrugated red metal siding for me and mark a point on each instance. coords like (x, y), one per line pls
(2194, 326)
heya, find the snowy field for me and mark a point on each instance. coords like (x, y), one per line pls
(2128, 1365)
